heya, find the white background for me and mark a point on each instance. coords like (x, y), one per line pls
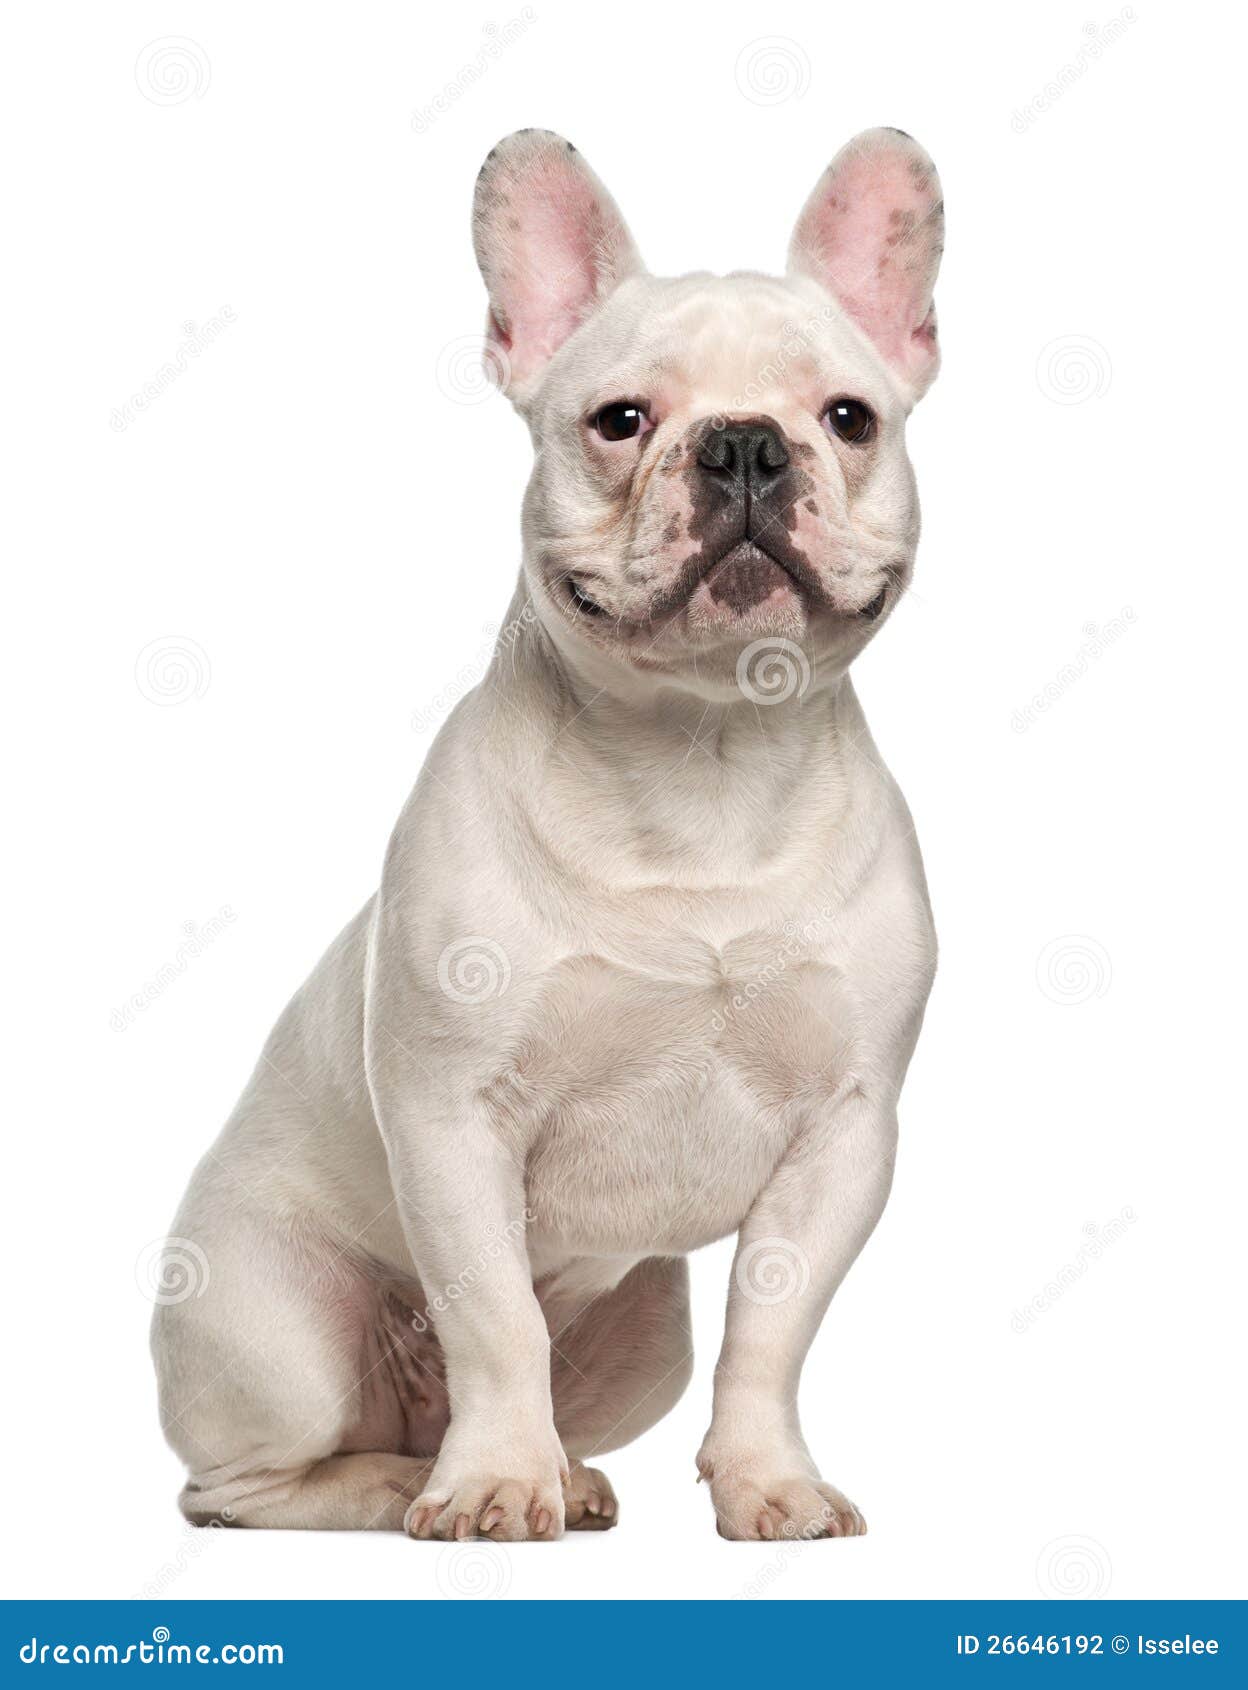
(320, 522)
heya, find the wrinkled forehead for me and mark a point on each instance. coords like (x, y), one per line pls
(717, 345)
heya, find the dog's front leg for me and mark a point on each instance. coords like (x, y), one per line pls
(795, 1247)
(460, 1192)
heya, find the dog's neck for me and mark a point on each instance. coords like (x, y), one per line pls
(657, 786)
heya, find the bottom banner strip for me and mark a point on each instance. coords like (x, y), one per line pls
(626, 1644)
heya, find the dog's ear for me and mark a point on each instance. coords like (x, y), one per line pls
(872, 232)
(551, 245)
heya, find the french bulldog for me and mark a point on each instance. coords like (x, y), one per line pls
(652, 941)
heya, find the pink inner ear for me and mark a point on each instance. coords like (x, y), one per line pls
(553, 278)
(553, 245)
(872, 233)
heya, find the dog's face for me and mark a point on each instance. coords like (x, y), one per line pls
(720, 460)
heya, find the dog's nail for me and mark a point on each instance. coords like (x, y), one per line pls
(593, 1505)
(766, 1526)
(462, 1525)
(608, 1508)
(491, 1518)
(542, 1523)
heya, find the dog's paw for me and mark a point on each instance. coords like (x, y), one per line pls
(505, 1509)
(753, 1509)
(588, 1501)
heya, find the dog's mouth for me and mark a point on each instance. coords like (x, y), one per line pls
(869, 612)
(743, 576)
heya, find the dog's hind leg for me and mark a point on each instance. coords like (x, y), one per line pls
(294, 1385)
(369, 1491)
(622, 1359)
(618, 1363)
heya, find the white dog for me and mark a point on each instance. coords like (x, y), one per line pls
(652, 943)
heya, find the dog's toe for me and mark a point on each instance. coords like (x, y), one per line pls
(589, 1501)
(783, 1510)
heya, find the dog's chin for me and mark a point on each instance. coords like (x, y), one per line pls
(746, 595)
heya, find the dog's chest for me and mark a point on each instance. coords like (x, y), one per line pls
(655, 1097)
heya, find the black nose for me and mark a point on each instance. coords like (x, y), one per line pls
(751, 453)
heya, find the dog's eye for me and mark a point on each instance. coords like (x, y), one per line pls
(850, 419)
(622, 421)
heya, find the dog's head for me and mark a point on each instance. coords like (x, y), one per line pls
(720, 460)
